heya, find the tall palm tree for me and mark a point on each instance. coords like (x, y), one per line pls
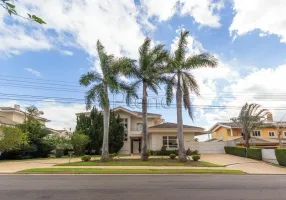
(103, 83)
(250, 118)
(179, 67)
(148, 74)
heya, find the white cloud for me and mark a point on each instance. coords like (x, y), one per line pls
(66, 52)
(203, 11)
(263, 86)
(78, 24)
(34, 72)
(267, 16)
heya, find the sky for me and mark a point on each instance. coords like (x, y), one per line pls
(41, 64)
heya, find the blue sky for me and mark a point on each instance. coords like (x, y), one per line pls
(46, 61)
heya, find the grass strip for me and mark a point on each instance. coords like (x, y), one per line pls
(126, 171)
(154, 162)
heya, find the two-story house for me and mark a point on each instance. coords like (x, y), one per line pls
(265, 135)
(160, 133)
(13, 116)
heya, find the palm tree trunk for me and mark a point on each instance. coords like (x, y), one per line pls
(144, 153)
(106, 115)
(181, 150)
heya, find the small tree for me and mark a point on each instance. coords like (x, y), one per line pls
(11, 9)
(116, 133)
(250, 117)
(79, 142)
(12, 138)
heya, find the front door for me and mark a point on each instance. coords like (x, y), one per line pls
(136, 146)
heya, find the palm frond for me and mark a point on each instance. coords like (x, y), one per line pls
(124, 65)
(180, 53)
(90, 77)
(187, 100)
(191, 82)
(96, 94)
(144, 52)
(200, 60)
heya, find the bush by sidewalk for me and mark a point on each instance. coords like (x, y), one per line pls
(237, 151)
(281, 156)
(254, 153)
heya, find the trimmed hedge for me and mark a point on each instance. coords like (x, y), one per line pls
(254, 153)
(237, 151)
(281, 156)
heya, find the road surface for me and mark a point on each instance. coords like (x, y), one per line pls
(145, 187)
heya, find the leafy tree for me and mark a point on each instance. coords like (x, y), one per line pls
(38, 146)
(79, 142)
(148, 73)
(185, 83)
(250, 118)
(116, 133)
(12, 138)
(103, 83)
(11, 9)
(93, 127)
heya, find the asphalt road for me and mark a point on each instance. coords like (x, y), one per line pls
(145, 187)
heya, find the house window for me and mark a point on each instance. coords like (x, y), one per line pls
(139, 127)
(170, 142)
(256, 133)
(271, 134)
(285, 134)
(125, 124)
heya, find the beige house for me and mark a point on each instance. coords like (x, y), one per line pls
(159, 133)
(12, 116)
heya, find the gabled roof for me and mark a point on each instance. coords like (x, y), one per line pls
(234, 125)
(131, 112)
(172, 125)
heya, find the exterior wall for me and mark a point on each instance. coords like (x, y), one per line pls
(221, 133)
(135, 120)
(126, 146)
(7, 115)
(156, 140)
(18, 118)
(225, 134)
(269, 155)
(211, 147)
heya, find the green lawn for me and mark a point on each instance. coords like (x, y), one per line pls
(137, 162)
(127, 171)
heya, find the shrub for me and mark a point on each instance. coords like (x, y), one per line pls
(79, 142)
(150, 153)
(172, 156)
(196, 158)
(254, 153)
(237, 151)
(281, 156)
(86, 158)
(59, 153)
(189, 152)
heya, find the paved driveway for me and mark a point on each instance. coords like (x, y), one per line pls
(243, 164)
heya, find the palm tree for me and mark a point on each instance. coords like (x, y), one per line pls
(250, 117)
(148, 74)
(185, 83)
(105, 82)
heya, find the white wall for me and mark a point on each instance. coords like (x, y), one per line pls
(269, 155)
(211, 147)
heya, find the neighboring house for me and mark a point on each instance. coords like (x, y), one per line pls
(12, 116)
(266, 135)
(159, 133)
(63, 133)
